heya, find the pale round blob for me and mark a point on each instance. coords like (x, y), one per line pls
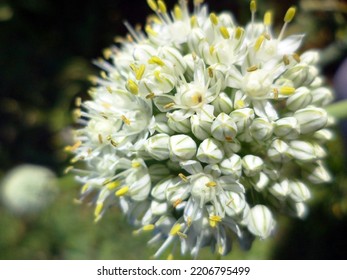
(257, 84)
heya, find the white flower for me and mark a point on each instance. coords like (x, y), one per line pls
(196, 116)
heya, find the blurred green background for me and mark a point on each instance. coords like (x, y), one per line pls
(46, 49)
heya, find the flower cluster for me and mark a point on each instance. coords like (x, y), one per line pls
(199, 129)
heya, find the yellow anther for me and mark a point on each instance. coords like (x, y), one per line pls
(98, 208)
(162, 6)
(132, 86)
(220, 250)
(157, 75)
(213, 18)
(156, 60)
(182, 235)
(224, 32)
(152, 5)
(139, 72)
(93, 79)
(253, 6)
(170, 257)
(228, 138)
(109, 89)
(238, 32)
(268, 18)
(106, 105)
(290, 14)
(286, 60)
(210, 74)
(183, 177)
(100, 138)
(132, 67)
(175, 229)
(239, 104)
(122, 191)
(287, 90)
(150, 31)
(275, 91)
(267, 36)
(68, 169)
(193, 22)
(177, 202)
(252, 68)
(169, 105)
(78, 101)
(211, 184)
(111, 186)
(150, 96)
(149, 227)
(113, 143)
(107, 53)
(77, 113)
(73, 147)
(135, 164)
(259, 42)
(103, 75)
(125, 120)
(296, 57)
(84, 188)
(177, 12)
(212, 49)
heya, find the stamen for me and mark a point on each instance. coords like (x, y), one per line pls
(213, 18)
(183, 177)
(175, 229)
(98, 208)
(297, 57)
(139, 72)
(181, 234)
(177, 202)
(78, 101)
(107, 53)
(252, 68)
(162, 6)
(228, 138)
(152, 5)
(100, 138)
(259, 42)
(135, 164)
(109, 89)
(68, 169)
(169, 105)
(157, 75)
(150, 96)
(178, 12)
(156, 60)
(287, 90)
(286, 60)
(73, 147)
(290, 14)
(268, 18)
(125, 120)
(84, 188)
(111, 186)
(123, 191)
(150, 31)
(132, 86)
(275, 91)
(253, 8)
(224, 32)
(211, 184)
(149, 227)
(194, 22)
(238, 32)
(210, 73)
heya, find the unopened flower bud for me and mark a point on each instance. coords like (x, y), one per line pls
(260, 221)
(252, 165)
(157, 172)
(157, 146)
(200, 128)
(242, 118)
(232, 166)
(302, 150)
(280, 190)
(287, 128)
(261, 129)
(210, 151)
(223, 128)
(161, 124)
(300, 99)
(321, 96)
(299, 191)
(182, 147)
(311, 119)
(223, 103)
(177, 123)
(278, 151)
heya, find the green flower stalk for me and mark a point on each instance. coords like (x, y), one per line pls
(200, 129)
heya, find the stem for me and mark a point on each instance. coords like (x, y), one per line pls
(338, 109)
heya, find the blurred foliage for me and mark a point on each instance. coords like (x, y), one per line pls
(45, 56)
